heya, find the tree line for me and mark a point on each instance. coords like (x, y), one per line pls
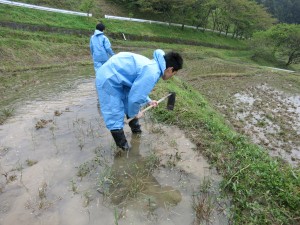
(281, 41)
(286, 11)
(247, 19)
(241, 18)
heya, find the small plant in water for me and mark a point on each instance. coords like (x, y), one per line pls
(173, 159)
(42, 191)
(173, 143)
(31, 162)
(40, 202)
(3, 150)
(5, 114)
(74, 187)
(87, 199)
(261, 123)
(89, 166)
(43, 203)
(116, 216)
(157, 130)
(203, 203)
(135, 184)
(12, 178)
(152, 162)
(57, 113)
(106, 179)
(83, 170)
(42, 123)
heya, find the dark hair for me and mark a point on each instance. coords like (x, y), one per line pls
(173, 59)
(100, 26)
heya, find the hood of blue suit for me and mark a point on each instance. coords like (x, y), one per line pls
(98, 32)
(158, 56)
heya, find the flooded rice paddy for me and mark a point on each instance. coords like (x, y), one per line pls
(276, 124)
(261, 104)
(59, 165)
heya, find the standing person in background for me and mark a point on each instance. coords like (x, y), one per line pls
(123, 84)
(100, 47)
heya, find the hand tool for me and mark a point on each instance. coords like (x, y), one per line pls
(170, 105)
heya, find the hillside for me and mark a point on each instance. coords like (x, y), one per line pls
(69, 29)
(100, 8)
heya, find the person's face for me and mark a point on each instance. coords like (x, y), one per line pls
(168, 73)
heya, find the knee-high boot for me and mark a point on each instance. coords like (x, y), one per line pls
(120, 139)
(134, 125)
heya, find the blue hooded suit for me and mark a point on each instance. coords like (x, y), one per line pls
(123, 84)
(100, 49)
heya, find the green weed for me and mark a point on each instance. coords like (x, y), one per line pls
(122, 185)
(31, 162)
(5, 114)
(74, 187)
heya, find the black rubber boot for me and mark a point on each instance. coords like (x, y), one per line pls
(135, 126)
(120, 139)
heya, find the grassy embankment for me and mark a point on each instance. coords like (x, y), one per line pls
(263, 190)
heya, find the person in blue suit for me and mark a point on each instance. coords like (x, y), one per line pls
(123, 84)
(100, 47)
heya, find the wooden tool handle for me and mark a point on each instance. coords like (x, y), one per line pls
(150, 106)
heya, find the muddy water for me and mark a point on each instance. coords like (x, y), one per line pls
(262, 105)
(272, 117)
(54, 155)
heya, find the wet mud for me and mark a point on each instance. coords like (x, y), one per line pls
(262, 105)
(59, 165)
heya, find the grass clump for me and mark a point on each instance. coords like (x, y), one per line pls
(30, 162)
(127, 182)
(203, 202)
(5, 114)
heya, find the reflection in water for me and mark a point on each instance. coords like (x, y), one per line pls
(67, 154)
(134, 180)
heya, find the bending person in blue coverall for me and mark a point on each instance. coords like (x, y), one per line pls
(100, 47)
(123, 84)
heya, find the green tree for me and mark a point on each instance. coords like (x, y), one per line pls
(246, 17)
(87, 5)
(287, 41)
(286, 11)
(283, 40)
(162, 7)
(203, 9)
(242, 16)
(183, 11)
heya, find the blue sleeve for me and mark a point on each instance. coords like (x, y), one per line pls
(139, 92)
(107, 46)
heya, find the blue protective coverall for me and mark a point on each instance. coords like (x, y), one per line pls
(100, 49)
(123, 84)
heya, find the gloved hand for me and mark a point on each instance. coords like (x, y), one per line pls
(139, 115)
(154, 103)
